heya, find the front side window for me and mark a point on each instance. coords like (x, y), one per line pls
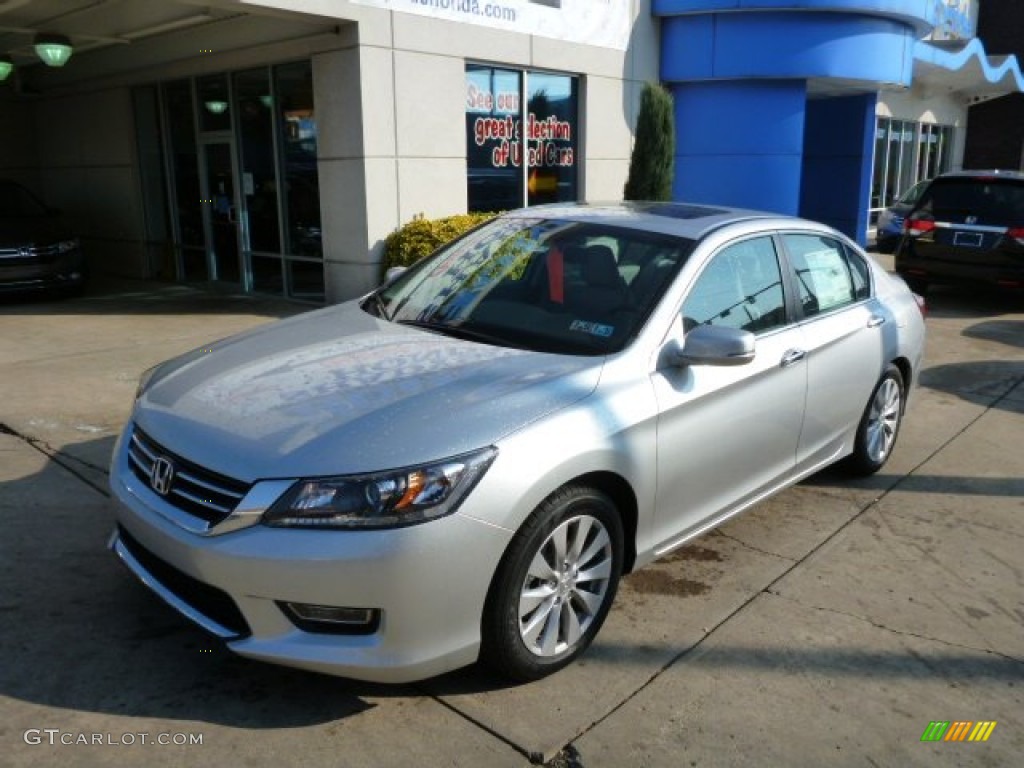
(828, 274)
(520, 154)
(741, 287)
(541, 284)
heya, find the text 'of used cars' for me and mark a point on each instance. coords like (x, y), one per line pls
(464, 463)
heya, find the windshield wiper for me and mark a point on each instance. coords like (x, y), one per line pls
(459, 332)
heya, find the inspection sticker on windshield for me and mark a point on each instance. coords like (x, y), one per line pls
(594, 329)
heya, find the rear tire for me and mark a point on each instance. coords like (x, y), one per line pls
(880, 424)
(554, 586)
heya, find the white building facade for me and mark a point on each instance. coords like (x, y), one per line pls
(271, 145)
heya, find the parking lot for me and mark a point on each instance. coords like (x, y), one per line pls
(830, 624)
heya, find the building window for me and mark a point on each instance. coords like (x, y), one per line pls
(501, 175)
(240, 152)
(907, 152)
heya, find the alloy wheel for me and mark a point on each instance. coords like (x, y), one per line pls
(883, 420)
(565, 586)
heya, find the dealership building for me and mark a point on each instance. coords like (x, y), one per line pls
(271, 145)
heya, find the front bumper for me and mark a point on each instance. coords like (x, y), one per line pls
(428, 581)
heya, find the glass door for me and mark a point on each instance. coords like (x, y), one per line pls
(220, 204)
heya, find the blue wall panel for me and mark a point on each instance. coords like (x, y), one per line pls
(746, 134)
(782, 45)
(740, 143)
(920, 14)
(838, 144)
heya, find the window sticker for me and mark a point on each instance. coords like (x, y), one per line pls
(829, 278)
(594, 329)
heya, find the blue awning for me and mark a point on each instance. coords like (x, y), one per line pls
(965, 69)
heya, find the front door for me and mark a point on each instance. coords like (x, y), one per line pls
(726, 435)
(223, 232)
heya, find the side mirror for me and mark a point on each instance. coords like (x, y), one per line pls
(393, 274)
(711, 345)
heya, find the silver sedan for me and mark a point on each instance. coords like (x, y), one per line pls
(462, 464)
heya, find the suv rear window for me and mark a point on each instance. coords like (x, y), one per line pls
(999, 202)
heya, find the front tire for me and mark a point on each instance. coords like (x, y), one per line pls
(880, 424)
(554, 586)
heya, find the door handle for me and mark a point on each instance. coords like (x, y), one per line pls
(875, 320)
(792, 356)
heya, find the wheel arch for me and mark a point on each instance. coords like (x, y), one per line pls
(617, 488)
(906, 371)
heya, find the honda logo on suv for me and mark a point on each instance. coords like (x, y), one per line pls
(161, 476)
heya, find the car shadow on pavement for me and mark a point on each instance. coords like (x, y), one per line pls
(995, 383)
(1009, 332)
(139, 297)
(79, 633)
(976, 301)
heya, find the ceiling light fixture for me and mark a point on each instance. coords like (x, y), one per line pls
(6, 65)
(54, 50)
(216, 106)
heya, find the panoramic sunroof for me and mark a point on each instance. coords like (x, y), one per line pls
(678, 210)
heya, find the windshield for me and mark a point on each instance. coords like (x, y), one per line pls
(540, 284)
(17, 202)
(974, 200)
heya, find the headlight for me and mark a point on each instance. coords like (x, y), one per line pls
(67, 245)
(381, 500)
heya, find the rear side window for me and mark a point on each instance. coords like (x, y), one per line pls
(828, 274)
(959, 200)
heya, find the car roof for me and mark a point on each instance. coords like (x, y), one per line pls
(680, 219)
(983, 173)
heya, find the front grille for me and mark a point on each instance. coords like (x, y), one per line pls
(195, 490)
(30, 254)
(209, 601)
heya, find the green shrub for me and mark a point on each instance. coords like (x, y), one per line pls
(653, 158)
(421, 237)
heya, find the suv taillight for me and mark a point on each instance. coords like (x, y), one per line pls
(922, 305)
(1017, 233)
(918, 227)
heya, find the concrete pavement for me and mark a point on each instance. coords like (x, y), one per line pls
(830, 624)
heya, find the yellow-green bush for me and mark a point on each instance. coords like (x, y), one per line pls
(421, 237)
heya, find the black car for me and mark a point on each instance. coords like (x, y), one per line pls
(967, 227)
(37, 251)
(889, 230)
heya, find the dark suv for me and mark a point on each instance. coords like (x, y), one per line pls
(967, 226)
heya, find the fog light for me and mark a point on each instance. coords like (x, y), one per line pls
(328, 619)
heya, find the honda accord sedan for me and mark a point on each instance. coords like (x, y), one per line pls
(461, 465)
(37, 250)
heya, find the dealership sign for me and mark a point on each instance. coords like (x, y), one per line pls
(593, 22)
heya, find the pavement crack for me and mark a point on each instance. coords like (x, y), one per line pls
(752, 548)
(893, 630)
(534, 757)
(57, 456)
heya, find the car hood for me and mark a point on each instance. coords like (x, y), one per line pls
(338, 391)
(31, 230)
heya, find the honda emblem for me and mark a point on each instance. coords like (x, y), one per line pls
(161, 476)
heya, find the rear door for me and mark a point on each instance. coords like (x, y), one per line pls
(844, 330)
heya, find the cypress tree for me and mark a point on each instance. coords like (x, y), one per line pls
(652, 162)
